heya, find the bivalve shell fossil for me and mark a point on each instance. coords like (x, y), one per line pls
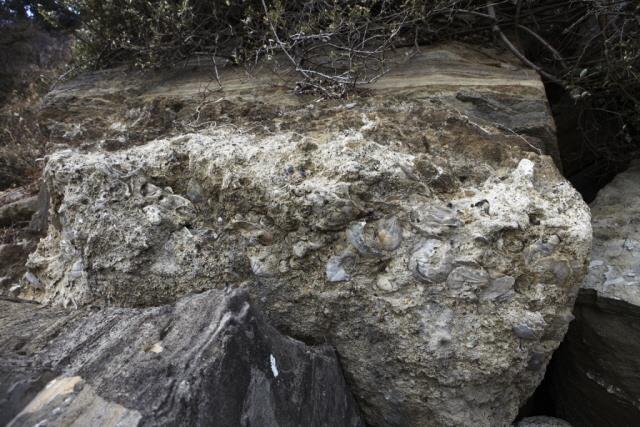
(431, 261)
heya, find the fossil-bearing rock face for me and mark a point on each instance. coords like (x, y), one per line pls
(419, 228)
(444, 273)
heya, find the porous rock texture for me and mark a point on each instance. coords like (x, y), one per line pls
(434, 246)
(614, 271)
(209, 359)
(595, 377)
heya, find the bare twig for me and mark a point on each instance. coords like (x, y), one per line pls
(491, 12)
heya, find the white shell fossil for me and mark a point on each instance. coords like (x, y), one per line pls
(500, 288)
(33, 280)
(524, 331)
(356, 236)
(435, 220)
(150, 191)
(76, 270)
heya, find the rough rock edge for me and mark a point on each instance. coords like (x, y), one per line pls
(210, 357)
(595, 375)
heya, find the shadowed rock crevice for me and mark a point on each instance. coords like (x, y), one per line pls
(594, 377)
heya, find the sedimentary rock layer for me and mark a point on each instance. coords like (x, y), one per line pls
(207, 360)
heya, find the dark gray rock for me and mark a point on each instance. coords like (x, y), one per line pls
(18, 238)
(18, 211)
(39, 220)
(595, 375)
(210, 359)
(515, 113)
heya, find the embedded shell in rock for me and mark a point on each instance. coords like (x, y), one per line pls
(444, 302)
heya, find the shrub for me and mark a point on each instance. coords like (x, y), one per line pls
(588, 48)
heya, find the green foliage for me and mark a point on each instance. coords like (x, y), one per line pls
(47, 13)
(152, 33)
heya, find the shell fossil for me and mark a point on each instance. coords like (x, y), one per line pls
(389, 234)
(355, 235)
(337, 266)
(499, 288)
(386, 238)
(464, 275)
(524, 331)
(436, 220)
(431, 261)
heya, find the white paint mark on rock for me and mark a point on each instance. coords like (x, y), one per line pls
(274, 367)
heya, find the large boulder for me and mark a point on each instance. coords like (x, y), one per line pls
(439, 251)
(595, 376)
(209, 359)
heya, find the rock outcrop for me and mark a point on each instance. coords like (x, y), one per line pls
(595, 376)
(18, 234)
(614, 271)
(115, 109)
(419, 230)
(209, 359)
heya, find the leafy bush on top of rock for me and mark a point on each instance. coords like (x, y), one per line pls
(589, 48)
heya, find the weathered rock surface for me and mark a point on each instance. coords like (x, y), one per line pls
(207, 360)
(421, 235)
(17, 238)
(614, 271)
(596, 374)
(115, 109)
(18, 211)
